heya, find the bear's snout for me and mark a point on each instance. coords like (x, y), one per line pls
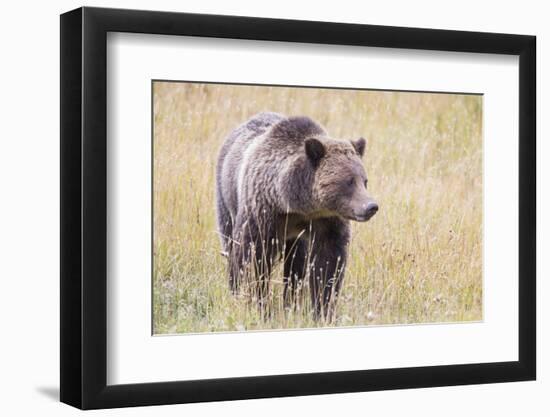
(367, 211)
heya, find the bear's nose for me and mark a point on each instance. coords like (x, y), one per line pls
(371, 209)
(366, 211)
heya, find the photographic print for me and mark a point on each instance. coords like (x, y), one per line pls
(282, 207)
(345, 186)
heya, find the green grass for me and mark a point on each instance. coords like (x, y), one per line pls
(419, 260)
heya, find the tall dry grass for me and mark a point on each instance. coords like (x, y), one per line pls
(418, 260)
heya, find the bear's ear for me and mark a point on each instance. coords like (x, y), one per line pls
(315, 150)
(359, 146)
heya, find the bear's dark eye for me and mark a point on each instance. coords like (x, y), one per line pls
(366, 182)
(351, 181)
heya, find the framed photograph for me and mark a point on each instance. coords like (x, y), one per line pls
(257, 208)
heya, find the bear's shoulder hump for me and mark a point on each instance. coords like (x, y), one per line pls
(299, 127)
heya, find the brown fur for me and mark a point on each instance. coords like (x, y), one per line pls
(284, 187)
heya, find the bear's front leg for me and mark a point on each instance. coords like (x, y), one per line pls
(295, 268)
(329, 251)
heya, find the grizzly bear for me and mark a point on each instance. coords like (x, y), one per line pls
(284, 188)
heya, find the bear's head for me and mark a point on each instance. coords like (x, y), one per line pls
(340, 182)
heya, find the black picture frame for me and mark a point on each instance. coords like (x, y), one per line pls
(84, 207)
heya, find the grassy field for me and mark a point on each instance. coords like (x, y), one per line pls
(419, 260)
